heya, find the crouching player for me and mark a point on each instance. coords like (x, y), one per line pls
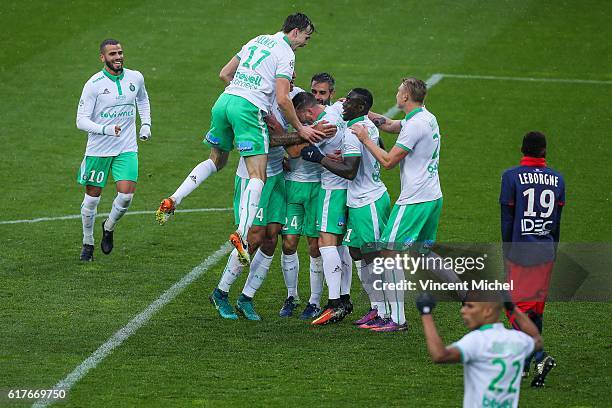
(492, 356)
(532, 197)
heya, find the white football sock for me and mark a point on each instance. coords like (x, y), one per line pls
(395, 296)
(248, 205)
(232, 270)
(121, 203)
(347, 270)
(332, 268)
(443, 273)
(316, 280)
(199, 173)
(363, 272)
(88, 216)
(290, 264)
(260, 265)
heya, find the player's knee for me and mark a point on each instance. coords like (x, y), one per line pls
(355, 253)
(313, 248)
(124, 199)
(219, 158)
(290, 243)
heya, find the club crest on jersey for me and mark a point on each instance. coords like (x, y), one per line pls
(132, 87)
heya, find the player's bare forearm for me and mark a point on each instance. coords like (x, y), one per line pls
(437, 350)
(228, 71)
(346, 168)
(384, 123)
(285, 139)
(528, 327)
(379, 154)
(289, 112)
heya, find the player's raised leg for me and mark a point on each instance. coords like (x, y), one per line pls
(220, 138)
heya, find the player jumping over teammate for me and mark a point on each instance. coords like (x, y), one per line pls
(261, 71)
(107, 112)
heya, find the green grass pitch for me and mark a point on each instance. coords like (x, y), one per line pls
(56, 311)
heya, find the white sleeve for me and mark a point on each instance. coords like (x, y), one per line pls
(409, 136)
(142, 102)
(85, 110)
(351, 145)
(468, 346)
(284, 68)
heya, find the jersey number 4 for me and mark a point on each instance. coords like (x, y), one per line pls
(264, 54)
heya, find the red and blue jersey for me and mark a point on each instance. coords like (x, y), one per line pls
(532, 196)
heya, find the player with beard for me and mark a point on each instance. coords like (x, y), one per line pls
(303, 181)
(107, 112)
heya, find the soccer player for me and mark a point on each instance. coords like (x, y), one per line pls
(261, 70)
(331, 211)
(368, 201)
(413, 222)
(107, 112)
(532, 197)
(492, 356)
(322, 86)
(303, 181)
(262, 237)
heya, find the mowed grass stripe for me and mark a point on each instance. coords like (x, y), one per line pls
(136, 323)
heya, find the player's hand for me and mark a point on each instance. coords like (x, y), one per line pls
(361, 132)
(112, 130)
(425, 303)
(312, 154)
(327, 128)
(310, 135)
(334, 157)
(274, 126)
(145, 132)
(294, 150)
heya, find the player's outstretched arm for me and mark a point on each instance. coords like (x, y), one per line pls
(387, 159)
(281, 138)
(228, 71)
(439, 353)
(346, 168)
(525, 324)
(384, 123)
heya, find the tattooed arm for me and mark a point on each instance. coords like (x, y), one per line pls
(384, 123)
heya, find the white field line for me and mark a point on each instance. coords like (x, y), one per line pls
(72, 217)
(435, 78)
(528, 79)
(431, 81)
(136, 323)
